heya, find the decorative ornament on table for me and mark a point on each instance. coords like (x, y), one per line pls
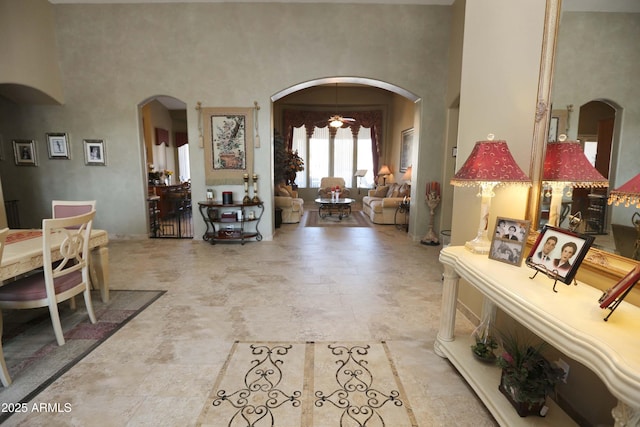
(432, 198)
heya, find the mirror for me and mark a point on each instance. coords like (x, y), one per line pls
(594, 99)
(591, 59)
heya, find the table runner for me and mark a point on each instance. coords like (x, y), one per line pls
(19, 236)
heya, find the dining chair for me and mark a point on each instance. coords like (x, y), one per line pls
(4, 373)
(65, 272)
(66, 208)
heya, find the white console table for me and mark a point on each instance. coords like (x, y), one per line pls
(570, 320)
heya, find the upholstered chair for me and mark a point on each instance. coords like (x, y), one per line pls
(327, 183)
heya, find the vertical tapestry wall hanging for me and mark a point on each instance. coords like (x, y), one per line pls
(228, 144)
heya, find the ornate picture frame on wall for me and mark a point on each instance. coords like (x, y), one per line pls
(24, 152)
(58, 146)
(228, 144)
(94, 152)
(406, 148)
(510, 237)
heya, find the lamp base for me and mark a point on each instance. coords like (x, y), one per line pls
(479, 245)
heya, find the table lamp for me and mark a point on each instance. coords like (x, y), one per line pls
(384, 172)
(629, 194)
(565, 165)
(490, 164)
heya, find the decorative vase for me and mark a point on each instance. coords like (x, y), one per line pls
(485, 342)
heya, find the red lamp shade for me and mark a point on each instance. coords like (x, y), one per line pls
(565, 162)
(490, 161)
(628, 193)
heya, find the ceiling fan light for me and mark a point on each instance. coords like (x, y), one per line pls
(335, 123)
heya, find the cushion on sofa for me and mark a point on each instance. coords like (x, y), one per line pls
(380, 191)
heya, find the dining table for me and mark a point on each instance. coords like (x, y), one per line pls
(23, 253)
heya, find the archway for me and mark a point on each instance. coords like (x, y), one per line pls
(412, 115)
(166, 177)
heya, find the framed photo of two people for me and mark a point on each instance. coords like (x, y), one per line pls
(558, 253)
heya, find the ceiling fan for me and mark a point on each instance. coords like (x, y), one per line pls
(336, 120)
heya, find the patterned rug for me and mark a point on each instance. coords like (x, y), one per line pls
(356, 219)
(33, 357)
(308, 384)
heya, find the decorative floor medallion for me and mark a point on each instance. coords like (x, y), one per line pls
(308, 384)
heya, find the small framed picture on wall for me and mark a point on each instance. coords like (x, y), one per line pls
(58, 146)
(24, 152)
(94, 152)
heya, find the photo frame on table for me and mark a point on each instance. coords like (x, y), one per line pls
(618, 292)
(94, 152)
(558, 253)
(406, 147)
(509, 239)
(58, 146)
(228, 144)
(24, 151)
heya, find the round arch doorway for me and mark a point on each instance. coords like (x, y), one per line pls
(333, 93)
(163, 128)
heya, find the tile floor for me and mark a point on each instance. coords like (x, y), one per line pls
(323, 284)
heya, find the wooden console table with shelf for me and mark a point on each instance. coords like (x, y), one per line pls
(223, 223)
(570, 320)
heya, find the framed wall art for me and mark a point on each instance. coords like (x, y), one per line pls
(510, 236)
(24, 151)
(228, 144)
(94, 152)
(406, 147)
(58, 146)
(558, 252)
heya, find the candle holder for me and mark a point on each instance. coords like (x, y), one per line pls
(433, 200)
(246, 198)
(255, 199)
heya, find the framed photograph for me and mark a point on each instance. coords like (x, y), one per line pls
(58, 146)
(228, 144)
(94, 152)
(558, 253)
(612, 294)
(405, 149)
(509, 239)
(24, 151)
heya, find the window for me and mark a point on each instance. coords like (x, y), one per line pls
(326, 156)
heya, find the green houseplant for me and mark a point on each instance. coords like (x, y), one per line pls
(286, 162)
(527, 377)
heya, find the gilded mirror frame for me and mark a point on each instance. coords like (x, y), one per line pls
(602, 268)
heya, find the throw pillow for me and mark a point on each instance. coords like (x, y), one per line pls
(405, 190)
(282, 192)
(381, 191)
(393, 190)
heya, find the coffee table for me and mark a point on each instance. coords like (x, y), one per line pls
(330, 206)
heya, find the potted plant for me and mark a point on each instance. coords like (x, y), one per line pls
(527, 377)
(483, 349)
(286, 162)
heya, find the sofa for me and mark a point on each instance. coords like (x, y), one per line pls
(327, 183)
(380, 204)
(292, 206)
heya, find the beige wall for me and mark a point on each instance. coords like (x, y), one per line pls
(29, 52)
(220, 54)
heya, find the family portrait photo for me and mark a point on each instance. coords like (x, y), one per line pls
(559, 252)
(509, 238)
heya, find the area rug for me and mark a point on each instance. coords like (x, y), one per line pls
(308, 384)
(33, 357)
(356, 219)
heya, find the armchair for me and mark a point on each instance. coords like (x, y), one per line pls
(327, 183)
(292, 206)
